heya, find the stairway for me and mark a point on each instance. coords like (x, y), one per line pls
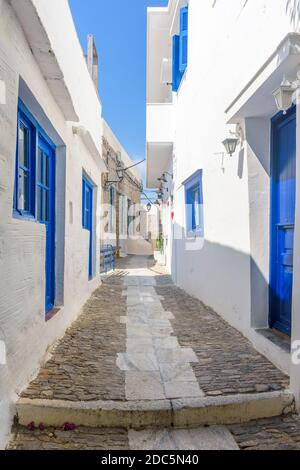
(138, 246)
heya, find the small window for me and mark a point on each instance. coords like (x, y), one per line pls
(131, 218)
(194, 204)
(24, 200)
(122, 213)
(111, 225)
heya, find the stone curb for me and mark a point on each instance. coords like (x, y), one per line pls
(159, 413)
(231, 409)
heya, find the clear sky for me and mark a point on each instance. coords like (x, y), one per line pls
(119, 28)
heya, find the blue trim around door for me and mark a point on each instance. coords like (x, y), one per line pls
(45, 210)
(87, 217)
(42, 193)
(283, 199)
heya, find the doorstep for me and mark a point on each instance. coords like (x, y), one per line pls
(279, 339)
(273, 346)
(52, 313)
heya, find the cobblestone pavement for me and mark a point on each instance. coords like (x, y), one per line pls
(281, 433)
(80, 439)
(212, 438)
(141, 337)
(83, 366)
(227, 362)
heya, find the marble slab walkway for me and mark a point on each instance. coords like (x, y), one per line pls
(139, 337)
(155, 365)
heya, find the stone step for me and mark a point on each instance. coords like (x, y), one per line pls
(180, 413)
(201, 438)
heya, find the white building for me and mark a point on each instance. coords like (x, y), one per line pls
(232, 222)
(49, 187)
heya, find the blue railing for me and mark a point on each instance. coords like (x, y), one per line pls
(107, 258)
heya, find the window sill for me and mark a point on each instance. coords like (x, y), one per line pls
(195, 234)
(52, 313)
(23, 216)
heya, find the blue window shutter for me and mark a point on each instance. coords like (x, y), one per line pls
(183, 42)
(83, 202)
(177, 75)
(175, 62)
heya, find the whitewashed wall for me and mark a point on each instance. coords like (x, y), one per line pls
(22, 244)
(228, 44)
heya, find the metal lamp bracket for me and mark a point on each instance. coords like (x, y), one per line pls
(239, 134)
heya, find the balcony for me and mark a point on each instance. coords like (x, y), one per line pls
(160, 138)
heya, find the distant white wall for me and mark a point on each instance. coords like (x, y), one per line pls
(22, 244)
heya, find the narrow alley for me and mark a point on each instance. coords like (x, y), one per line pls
(145, 355)
(149, 225)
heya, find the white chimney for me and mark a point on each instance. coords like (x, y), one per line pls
(92, 59)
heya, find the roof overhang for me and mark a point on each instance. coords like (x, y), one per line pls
(42, 50)
(256, 99)
(88, 141)
(158, 157)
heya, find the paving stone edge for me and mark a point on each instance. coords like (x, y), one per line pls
(158, 413)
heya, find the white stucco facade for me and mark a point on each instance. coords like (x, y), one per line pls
(45, 76)
(238, 53)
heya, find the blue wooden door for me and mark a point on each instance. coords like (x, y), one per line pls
(46, 212)
(283, 177)
(87, 218)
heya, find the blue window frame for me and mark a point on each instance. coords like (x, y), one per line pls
(34, 192)
(24, 195)
(194, 204)
(30, 139)
(180, 50)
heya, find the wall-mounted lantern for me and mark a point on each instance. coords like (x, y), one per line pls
(149, 207)
(162, 179)
(230, 145)
(284, 96)
(120, 172)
